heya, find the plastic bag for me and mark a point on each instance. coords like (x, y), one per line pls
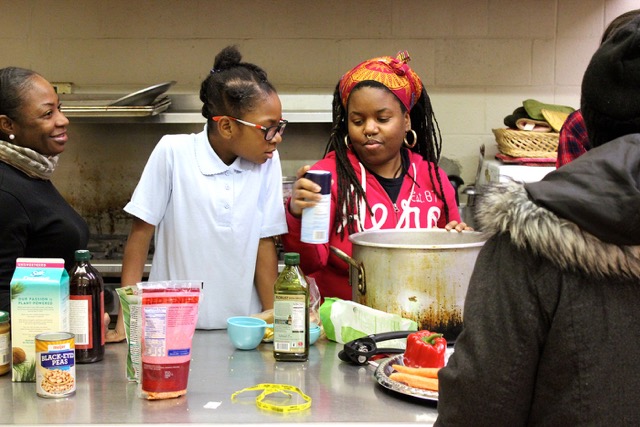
(130, 306)
(344, 321)
(169, 312)
(314, 301)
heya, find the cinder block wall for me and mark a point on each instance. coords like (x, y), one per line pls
(479, 59)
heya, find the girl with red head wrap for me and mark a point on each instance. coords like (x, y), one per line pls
(383, 155)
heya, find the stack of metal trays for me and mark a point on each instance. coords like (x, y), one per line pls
(146, 102)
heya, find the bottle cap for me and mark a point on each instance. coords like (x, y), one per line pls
(83, 255)
(322, 178)
(4, 316)
(291, 258)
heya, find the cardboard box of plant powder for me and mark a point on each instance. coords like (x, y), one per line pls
(39, 303)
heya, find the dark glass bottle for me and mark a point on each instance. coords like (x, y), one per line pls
(86, 309)
(291, 312)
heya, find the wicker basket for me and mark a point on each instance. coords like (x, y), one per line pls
(520, 143)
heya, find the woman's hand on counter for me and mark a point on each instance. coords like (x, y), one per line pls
(113, 335)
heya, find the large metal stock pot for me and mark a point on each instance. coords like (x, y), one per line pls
(420, 274)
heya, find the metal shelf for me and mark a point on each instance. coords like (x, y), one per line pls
(291, 116)
(188, 117)
(297, 108)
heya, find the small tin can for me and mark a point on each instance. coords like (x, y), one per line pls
(5, 343)
(55, 364)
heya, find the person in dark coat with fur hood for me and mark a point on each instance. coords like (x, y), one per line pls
(552, 315)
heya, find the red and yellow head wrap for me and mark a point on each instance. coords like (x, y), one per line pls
(394, 73)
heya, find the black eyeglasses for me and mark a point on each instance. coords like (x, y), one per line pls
(269, 133)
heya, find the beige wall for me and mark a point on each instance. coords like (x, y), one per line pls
(479, 59)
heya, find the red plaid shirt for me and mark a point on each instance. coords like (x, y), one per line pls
(573, 141)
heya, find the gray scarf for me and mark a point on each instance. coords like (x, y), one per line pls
(28, 161)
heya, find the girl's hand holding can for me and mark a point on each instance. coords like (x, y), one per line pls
(305, 193)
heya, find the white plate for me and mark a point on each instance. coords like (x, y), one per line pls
(385, 369)
(143, 97)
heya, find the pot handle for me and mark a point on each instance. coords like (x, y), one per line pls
(357, 275)
(346, 258)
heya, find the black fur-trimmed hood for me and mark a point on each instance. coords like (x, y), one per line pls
(584, 216)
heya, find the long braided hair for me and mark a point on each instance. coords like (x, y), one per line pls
(350, 191)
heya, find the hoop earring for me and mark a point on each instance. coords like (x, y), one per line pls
(415, 139)
(346, 142)
(12, 136)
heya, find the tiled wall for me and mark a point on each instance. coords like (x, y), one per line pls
(479, 59)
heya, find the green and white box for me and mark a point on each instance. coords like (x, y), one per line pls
(39, 303)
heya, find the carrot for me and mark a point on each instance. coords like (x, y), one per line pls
(421, 372)
(415, 381)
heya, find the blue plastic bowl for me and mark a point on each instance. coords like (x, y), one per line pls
(314, 333)
(245, 332)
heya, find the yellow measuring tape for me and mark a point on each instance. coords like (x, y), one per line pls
(268, 389)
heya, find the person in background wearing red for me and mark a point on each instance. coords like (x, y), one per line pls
(383, 155)
(573, 140)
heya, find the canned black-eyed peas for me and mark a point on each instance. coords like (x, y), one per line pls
(55, 364)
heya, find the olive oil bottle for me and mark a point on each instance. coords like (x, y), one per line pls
(291, 312)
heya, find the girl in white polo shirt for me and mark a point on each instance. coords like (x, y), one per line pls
(213, 200)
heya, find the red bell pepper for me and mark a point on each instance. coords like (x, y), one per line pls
(425, 350)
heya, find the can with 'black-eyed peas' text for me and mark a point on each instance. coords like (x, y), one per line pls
(55, 364)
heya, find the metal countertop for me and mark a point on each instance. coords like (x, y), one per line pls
(341, 392)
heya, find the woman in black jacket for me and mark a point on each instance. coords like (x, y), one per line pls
(35, 220)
